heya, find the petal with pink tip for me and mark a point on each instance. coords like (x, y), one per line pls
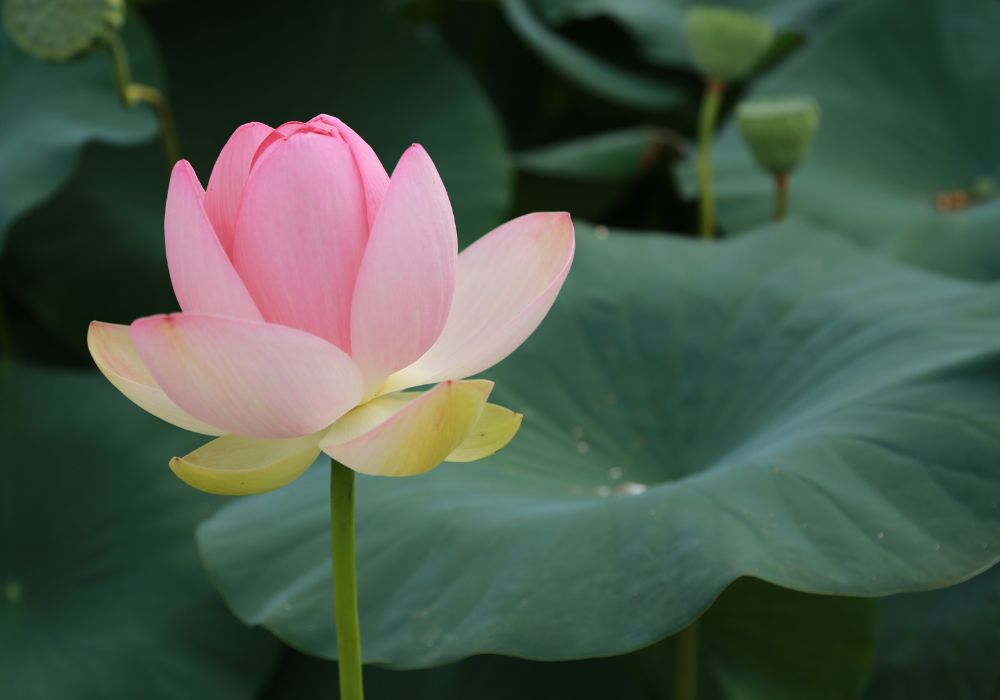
(238, 466)
(410, 433)
(225, 184)
(301, 233)
(373, 174)
(407, 278)
(507, 281)
(249, 378)
(203, 276)
(116, 357)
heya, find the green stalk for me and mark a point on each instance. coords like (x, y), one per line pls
(706, 132)
(686, 675)
(345, 581)
(780, 196)
(135, 93)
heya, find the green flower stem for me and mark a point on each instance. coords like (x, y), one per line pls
(345, 581)
(780, 196)
(686, 675)
(706, 132)
(136, 93)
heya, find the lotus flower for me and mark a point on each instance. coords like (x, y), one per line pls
(314, 290)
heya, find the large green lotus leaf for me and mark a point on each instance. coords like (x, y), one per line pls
(757, 642)
(658, 25)
(782, 405)
(344, 59)
(50, 111)
(910, 110)
(591, 72)
(101, 592)
(943, 644)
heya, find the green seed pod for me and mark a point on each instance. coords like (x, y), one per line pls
(778, 130)
(727, 44)
(59, 30)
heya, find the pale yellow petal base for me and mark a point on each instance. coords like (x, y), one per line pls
(496, 427)
(400, 434)
(408, 433)
(238, 466)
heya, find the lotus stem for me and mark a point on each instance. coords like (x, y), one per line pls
(706, 132)
(136, 93)
(345, 581)
(780, 196)
(686, 675)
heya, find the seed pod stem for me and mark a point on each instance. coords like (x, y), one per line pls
(135, 93)
(780, 196)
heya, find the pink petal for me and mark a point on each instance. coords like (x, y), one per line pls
(506, 283)
(278, 135)
(248, 378)
(407, 278)
(374, 179)
(203, 277)
(301, 233)
(225, 185)
(373, 175)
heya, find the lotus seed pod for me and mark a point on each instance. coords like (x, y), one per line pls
(778, 130)
(59, 30)
(727, 44)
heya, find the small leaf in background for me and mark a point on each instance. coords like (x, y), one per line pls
(50, 111)
(904, 120)
(101, 592)
(589, 175)
(589, 71)
(783, 405)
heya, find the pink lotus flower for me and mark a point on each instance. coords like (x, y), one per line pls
(314, 289)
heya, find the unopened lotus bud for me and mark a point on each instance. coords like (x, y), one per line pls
(60, 30)
(727, 44)
(778, 130)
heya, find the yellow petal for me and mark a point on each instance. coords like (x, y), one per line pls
(238, 466)
(114, 354)
(407, 433)
(496, 427)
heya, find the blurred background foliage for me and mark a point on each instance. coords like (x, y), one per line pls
(798, 414)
